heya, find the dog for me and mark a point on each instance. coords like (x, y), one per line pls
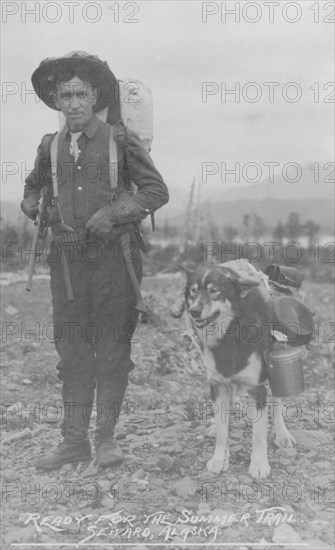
(228, 312)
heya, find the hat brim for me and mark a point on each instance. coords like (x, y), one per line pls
(52, 71)
(295, 319)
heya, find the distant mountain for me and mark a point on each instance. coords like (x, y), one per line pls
(271, 211)
(280, 189)
(272, 201)
(229, 202)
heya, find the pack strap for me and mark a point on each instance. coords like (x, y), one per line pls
(65, 265)
(53, 158)
(125, 238)
(113, 162)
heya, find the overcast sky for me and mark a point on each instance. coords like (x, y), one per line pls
(174, 51)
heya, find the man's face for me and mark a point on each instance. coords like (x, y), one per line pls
(76, 100)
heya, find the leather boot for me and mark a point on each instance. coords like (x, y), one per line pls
(78, 395)
(110, 394)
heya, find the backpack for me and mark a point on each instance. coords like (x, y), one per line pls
(134, 108)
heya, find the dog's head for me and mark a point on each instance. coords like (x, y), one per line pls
(214, 294)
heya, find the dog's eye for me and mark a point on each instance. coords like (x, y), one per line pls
(193, 291)
(213, 292)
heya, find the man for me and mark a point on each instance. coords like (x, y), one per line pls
(92, 330)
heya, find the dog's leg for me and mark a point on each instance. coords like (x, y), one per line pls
(283, 437)
(259, 465)
(220, 459)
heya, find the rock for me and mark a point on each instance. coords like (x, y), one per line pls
(323, 464)
(287, 451)
(203, 508)
(104, 485)
(184, 487)
(47, 540)
(16, 436)
(316, 544)
(142, 484)
(72, 528)
(39, 430)
(9, 475)
(323, 480)
(138, 378)
(13, 387)
(172, 449)
(311, 454)
(66, 468)
(23, 534)
(320, 525)
(165, 461)
(15, 408)
(139, 474)
(53, 413)
(227, 517)
(90, 471)
(311, 438)
(128, 507)
(231, 534)
(265, 542)
(286, 534)
(29, 346)
(26, 381)
(284, 461)
(22, 518)
(11, 310)
(61, 508)
(108, 501)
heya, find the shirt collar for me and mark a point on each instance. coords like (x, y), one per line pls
(89, 130)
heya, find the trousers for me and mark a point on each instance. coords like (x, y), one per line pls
(93, 332)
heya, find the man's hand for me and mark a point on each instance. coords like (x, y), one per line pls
(102, 226)
(101, 222)
(29, 207)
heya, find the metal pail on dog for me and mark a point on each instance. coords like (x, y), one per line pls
(286, 375)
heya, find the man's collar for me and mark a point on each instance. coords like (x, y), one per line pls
(90, 128)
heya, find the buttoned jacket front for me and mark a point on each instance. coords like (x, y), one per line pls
(84, 186)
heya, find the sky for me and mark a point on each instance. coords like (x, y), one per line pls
(176, 47)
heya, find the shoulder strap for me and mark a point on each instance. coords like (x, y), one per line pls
(113, 162)
(53, 158)
(118, 133)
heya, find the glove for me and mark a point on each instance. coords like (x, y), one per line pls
(119, 212)
(110, 222)
(101, 222)
(29, 206)
(108, 233)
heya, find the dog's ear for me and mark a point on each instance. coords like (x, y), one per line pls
(178, 307)
(245, 283)
(188, 272)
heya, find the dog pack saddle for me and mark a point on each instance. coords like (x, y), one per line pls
(288, 306)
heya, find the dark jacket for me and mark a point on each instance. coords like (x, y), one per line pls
(84, 187)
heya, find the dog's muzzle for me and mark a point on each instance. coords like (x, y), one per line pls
(200, 323)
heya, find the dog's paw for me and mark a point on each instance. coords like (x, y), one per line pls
(284, 439)
(259, 469)
(218, 464)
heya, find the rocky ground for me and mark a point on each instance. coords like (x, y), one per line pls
(162, 494)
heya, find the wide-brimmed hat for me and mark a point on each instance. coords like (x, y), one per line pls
(293, 318)
(88, 68)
